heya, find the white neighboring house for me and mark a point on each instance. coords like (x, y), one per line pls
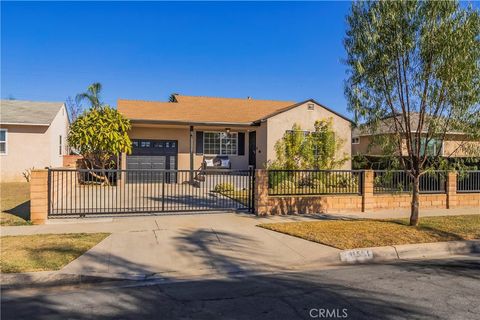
(32, 135)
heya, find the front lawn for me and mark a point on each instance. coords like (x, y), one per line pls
(352, 234)
(14, 203)
(44, 252)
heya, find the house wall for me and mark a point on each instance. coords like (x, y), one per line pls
(459, 146)
(277, 125)
(182, 135)
(59, 126)
(27, 147)
(262, 145)
(30, 146)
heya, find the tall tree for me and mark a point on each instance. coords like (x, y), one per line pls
(419, 63)
(92, 95)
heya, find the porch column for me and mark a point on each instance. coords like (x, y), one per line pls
(191, 153)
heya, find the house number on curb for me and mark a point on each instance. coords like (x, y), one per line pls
(356, 255)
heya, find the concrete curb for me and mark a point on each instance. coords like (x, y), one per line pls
(345, 257)
(409, 251)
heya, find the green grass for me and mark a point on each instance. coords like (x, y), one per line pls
(352, 234)
(14, 203)
(44, 252)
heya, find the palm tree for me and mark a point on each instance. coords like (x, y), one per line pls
(92, 95)
(173, 97)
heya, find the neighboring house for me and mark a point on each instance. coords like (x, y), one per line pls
(365, 141)
(32, 135)
(190, 131)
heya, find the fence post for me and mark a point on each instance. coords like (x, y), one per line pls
(451, 189)
(39, 196)
(261, 192)
(367, 188)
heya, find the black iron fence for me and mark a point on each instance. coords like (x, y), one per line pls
(468, 181)
(396, 181)
(86, 192)
(312, 182)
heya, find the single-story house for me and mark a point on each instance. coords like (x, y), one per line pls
(32, 135)
(454, 144)
(192, 132)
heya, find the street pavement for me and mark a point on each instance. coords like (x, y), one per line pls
(435, 289)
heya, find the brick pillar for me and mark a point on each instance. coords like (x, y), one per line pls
(39, 196)
(367, 188)
(261, 192)
(123, 166)
(451, 189)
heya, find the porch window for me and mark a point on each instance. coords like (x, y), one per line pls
(220, 143)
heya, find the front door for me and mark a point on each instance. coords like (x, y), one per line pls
(252, 148)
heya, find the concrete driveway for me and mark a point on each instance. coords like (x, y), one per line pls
(187, 246)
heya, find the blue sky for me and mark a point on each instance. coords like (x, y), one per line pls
(148, 50)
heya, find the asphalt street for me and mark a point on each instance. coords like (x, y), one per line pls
(435, 289)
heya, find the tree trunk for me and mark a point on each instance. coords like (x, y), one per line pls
(415, 201)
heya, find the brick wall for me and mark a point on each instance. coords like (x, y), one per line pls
(71, 161)
(368, 201)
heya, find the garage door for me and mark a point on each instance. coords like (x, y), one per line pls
(152, 155)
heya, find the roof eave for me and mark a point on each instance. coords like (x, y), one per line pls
(303, 102)
(24, 124)
(193, 123)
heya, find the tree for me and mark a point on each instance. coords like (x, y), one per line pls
(300, 149)
(173, 97)
(100, 135)
(74, 108)
(92, 95)
(419, 64)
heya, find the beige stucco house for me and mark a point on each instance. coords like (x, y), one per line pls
(190, 131)
(454, 144)
(32, 135)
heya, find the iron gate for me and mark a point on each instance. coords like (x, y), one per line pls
(96, 192)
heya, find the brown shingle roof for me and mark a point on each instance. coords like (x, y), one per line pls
(201, 109)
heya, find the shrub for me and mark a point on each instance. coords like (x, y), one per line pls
(285, 186)
(318, 185)
(223, 187)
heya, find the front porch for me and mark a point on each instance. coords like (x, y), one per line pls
(192, 147)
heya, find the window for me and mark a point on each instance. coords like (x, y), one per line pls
(433, 148)
(311, 106)
(3, 141)
(60, 145)
(220, 143)
(305, 132)
(355, 140)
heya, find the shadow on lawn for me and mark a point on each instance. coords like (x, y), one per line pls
(441, 234)
(22, 210)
